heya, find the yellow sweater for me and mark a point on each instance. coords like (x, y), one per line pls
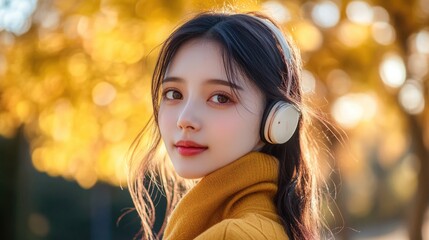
(234, 202)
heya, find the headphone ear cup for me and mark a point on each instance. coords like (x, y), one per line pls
(268, 111)
(279, 122)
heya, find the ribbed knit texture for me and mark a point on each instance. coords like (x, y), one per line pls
(233, 202)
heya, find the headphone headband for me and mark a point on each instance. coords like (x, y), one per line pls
(280, 39)
(280, 119)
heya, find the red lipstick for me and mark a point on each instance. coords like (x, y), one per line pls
(189, 148)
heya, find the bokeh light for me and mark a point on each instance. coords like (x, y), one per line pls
(277, 11)
(75, 82)
(383, 33)
(308, 82)
(380, 14)
(326, 14)
(103, 93)
(352, 34)
(15, 15)
(422, 41)
(349, 110)
(3, 65)
(307, 36)
(339, 82)
(418, 65)
(39, 224)
(359, 12)
(424, 6)
(392, 70)
(411, 97)
(48, 19)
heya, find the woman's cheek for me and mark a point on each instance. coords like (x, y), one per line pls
(229, 121)
(165, 120)
(228, 127)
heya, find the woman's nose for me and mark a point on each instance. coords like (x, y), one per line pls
(189, 118)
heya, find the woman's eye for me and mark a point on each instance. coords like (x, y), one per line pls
(173, 95)
(220, 99)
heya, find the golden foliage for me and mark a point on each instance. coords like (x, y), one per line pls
(79, 82)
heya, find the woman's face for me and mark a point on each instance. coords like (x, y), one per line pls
(203, 125)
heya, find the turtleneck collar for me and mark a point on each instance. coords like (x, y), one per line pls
(245, 185)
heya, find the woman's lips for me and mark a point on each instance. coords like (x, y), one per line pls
(189, 148)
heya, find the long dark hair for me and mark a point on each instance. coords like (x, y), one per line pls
(250, 48)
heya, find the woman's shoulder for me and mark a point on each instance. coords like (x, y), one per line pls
(251, 226)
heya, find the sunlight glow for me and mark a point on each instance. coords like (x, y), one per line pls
(77, 84)
(308, 82)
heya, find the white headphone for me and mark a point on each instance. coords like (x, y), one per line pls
(280, 118)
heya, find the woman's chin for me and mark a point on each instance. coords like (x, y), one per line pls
(188, 173)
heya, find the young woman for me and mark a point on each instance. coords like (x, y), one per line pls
(228, 111)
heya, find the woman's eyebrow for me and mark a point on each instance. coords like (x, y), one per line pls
(172, 79)
(208, 81)
(223, 82)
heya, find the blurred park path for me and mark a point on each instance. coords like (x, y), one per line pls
(394, 230)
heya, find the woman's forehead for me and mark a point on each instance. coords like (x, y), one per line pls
(204, 58)
(197, 56)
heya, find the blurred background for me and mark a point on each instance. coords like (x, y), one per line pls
(74, 92)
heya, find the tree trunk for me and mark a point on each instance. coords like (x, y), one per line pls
(422, 195)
